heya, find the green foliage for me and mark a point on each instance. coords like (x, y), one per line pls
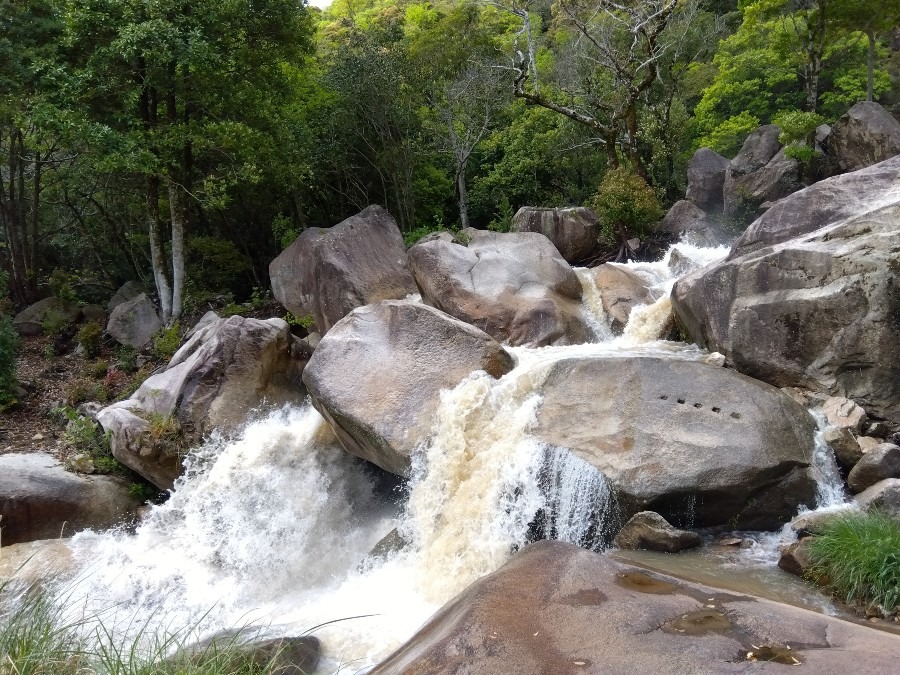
(727, 137)
(126, 358)
(62, 285)
(143, 491)
(858, 556)
(55, 323)
(9, 346)
(625, 205)
(166, 434)
(90, 337)
(412, 236)
(166, 342)
(215, 264)
(284, 231)
(84, 436)
(306, 321)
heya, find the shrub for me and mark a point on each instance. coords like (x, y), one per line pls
(98, 369)
(90, 337)
(858, 556)
(306, 321)
(82, 389)
(84, 436)
(62, 285)
(215, 263)
(126, 358)
(9, 345)
(54, 323)
(626, 206)
(166, 341)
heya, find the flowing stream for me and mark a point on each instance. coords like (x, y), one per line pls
(273, 528)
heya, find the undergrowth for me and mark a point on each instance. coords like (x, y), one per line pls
(858, 557)
(38, 638)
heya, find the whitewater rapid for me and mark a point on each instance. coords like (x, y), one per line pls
(273, 527)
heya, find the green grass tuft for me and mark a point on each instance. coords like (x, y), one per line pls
(858, 556)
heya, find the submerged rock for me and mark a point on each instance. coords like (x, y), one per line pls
(651, 532)
(795, 558)
(809, 294)
(514, 286)
(574, 231)
(326, 273)
(690, 441)
(39, 499)
(223, 373)
(556, 608)
(378, 374)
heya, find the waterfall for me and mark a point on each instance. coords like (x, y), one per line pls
(273, 527)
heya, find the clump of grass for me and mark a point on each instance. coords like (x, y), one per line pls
(858, 556)
(35, 638)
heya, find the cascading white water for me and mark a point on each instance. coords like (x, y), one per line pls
(270, 528)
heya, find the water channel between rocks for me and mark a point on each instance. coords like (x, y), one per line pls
(273, 528)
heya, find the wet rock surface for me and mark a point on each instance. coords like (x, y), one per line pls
(649, 531)
(706, 178)
(688, 222)
(555, 608)
(880, 463)
(515, 286)
(377, 376)
(621, 290)
(682, 438)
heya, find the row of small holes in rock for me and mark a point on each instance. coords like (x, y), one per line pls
(735, 415)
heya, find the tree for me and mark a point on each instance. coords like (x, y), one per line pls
(185, 95)
(609, 55)
(871, 17)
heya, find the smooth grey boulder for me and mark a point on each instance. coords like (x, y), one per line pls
(814, 522)
(39, 499)
(649, 531)
(882, 496)
(127, 291)
(757, 150)
(376, 376)
(515, 286)
(690, 441)
(326, 273)
(574, 230)
(809, 294)
(134, 322)
(706, 180)
(747, 193)
(795, 558)
(222, 374)
(865, 135)
(30, 321)
(556, 609)
(880, 463)
(688, 222)
(621, 290)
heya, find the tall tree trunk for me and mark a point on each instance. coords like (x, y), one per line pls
(462, 196)
(870, 75)
(157, 250)
(178, 214)
(35, 214)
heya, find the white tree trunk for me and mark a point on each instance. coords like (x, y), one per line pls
(178, 215)
(157, 251)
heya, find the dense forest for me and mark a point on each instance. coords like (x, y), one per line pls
(183, 144)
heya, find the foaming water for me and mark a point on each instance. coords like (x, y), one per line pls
(274, 527)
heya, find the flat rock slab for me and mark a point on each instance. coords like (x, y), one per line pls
(556, 609)
(39, 499)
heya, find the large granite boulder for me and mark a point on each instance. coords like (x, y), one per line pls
(883, 496)
(688, 222)
(621, 290)
(757, 150)
(695, 443)
(749, 193)
(39, 499)
(127, 291)
(134, 322)
(865, 135)
(881, 463)
(706, 179)
(809, 294)
(377, 376)
(556, 609)
(225, 371)
(574, 230)
(514, 286)
(326, 273)
(31, 320)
